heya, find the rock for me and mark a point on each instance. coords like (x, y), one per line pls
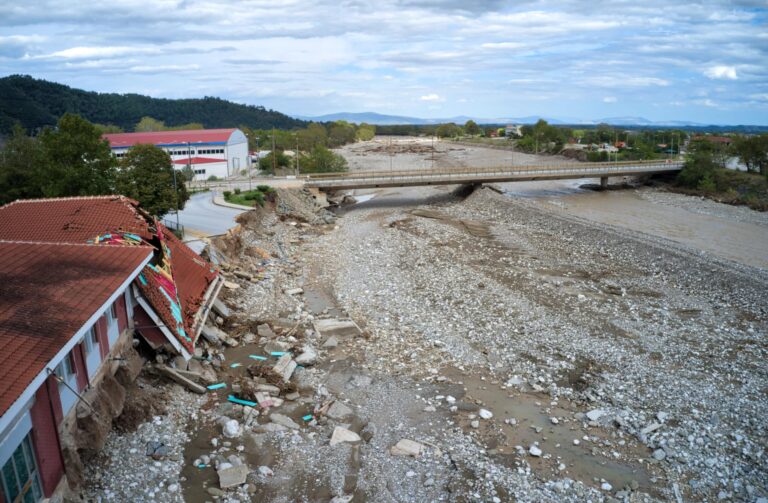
(485, 414)
(231, 429)
(659, 454)
(294, 291)
(276, 346)
(554, 420)
(429, 482)
(157, 450)
(407, 447)
(650, 428)
(212, 334)
(344, 498)
(368, 432)
(284, 420)
(180, 379)
(231, 285)
(429, 408)
(605, 486)
(268, 388)
(343, 435)
(662, 416)
(594, 415)
(534, 451)
(264, 330)
(331, 342)
(215, 491)
(232, 477)
(450, 400)
(339, 411)
(576, 441)
(475, 424)
(266, 471)
(308, 357)
(410, 474)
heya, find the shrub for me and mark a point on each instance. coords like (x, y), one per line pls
(227, 194)
(237, 190)
(213, 178)
(264, 188)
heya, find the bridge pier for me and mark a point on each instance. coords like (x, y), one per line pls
(603, 182)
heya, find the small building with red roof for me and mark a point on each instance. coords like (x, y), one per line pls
(208, 152)
(80, 276)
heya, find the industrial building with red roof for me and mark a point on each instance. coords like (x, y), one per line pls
(79, 277)
(208, 152)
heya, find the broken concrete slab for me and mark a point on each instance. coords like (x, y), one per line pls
(212, 334)
(285, 367)
(180, 379)
(284, 420)
(406, 447)
(233, 476)
(231, 285)
(339, 328)
(331, 342)
(342, 435)
(308, 357)
(276, 347)
(221, 308)
(294, 291)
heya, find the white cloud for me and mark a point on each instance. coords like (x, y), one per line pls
(610, 99)
(100, 52)
(430, 97)
(721, 72)
(162, 68)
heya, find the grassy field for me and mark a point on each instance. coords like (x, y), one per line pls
(250, 197)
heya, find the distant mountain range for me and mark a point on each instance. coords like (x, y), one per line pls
(37, 103)
(389, 120)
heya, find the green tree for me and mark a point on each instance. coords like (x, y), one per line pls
(471, 128)
(366, 132)
(753, 152)
(108, 128)
(700, 166)
(322, 160)
(267, 164)
(449, 130)
(147, 124)
(147, 175)
(314, 134)
(340, 133)
(22, 160)
(78, 162)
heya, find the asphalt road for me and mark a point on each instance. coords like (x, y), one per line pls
(201, 216)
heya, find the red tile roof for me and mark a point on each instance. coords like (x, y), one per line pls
(49, 291)
(198, 160)
(108, 218)
(193, 136)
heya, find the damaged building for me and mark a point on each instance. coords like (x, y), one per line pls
(79, 278)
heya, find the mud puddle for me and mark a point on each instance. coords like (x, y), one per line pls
(600, 454)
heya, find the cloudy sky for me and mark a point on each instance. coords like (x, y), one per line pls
(703, 61)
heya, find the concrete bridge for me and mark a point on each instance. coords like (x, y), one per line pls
(451, 176)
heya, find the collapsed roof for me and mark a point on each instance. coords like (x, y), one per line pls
(178, 284)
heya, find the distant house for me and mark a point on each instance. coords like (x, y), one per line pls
(513, 130)
(208, 152)
(79, 277)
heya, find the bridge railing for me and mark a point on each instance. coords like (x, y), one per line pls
(576, 167)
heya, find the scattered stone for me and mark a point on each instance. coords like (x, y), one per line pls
(485, 414)
(284, 367)
(554, 420)
(294, 291)
(339, 411)
(475, 424)
(407, 447)
(659, 454)
(232, 476)
(343, 435)
(276, 346)
(534, 451)
(231, 285)
(594, 415)
(605, 486)
(331, 342)
(265, 330)
(266, 471)
(231, 429)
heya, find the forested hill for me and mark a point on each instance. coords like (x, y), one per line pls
(35, 103)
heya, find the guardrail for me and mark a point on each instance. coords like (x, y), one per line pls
(462, 175)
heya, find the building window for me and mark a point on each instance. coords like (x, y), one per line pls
(111, 314)
(91, 340)
(66, 368)
(20, 477)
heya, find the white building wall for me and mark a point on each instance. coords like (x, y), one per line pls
(237, 153)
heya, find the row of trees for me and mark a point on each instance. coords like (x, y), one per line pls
(73, 160)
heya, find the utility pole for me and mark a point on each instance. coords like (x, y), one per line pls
(297, 155)
(274, 157)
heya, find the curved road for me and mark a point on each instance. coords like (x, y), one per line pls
(203, 218)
